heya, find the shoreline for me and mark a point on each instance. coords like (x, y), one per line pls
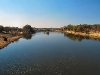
(10, 39)
(91, 35)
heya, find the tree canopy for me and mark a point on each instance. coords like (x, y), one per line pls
(29, 28)
(83, 28)
(1, 28)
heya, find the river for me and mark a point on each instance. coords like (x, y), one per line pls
(51, 54)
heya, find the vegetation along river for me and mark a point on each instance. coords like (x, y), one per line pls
(51, 54)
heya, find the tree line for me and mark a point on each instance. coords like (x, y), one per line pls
(14, 30)
(84, 28)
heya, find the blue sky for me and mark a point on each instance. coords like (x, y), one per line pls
(49, 13)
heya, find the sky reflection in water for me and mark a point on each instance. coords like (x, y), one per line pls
(51, 54)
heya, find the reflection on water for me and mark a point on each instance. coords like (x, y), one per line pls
(78, 37)
(47, 32)
(27, 36)
(51, 55)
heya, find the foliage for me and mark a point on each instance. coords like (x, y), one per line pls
(83, 28)
(28, 28)
(46, 30)
(1, 28)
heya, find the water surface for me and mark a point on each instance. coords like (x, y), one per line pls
(51, 54)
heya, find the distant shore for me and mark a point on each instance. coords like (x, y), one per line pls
(8, 40)
(91, 35)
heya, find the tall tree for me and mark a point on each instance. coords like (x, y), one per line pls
(1, 28)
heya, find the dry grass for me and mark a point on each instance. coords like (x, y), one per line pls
(91, 35)
(9, 39)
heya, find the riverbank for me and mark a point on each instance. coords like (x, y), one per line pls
(91, 35)
(9, 38)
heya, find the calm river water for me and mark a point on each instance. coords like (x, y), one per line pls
(51, 54)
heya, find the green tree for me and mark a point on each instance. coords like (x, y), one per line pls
(70, 27)
(1, 28)
(29, 28)
(74, 28)
(79, 28)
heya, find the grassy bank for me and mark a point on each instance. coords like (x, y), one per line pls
(10, 39)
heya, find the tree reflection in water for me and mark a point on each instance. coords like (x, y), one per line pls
(27, 36)
(47, 32)
(79, 37)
